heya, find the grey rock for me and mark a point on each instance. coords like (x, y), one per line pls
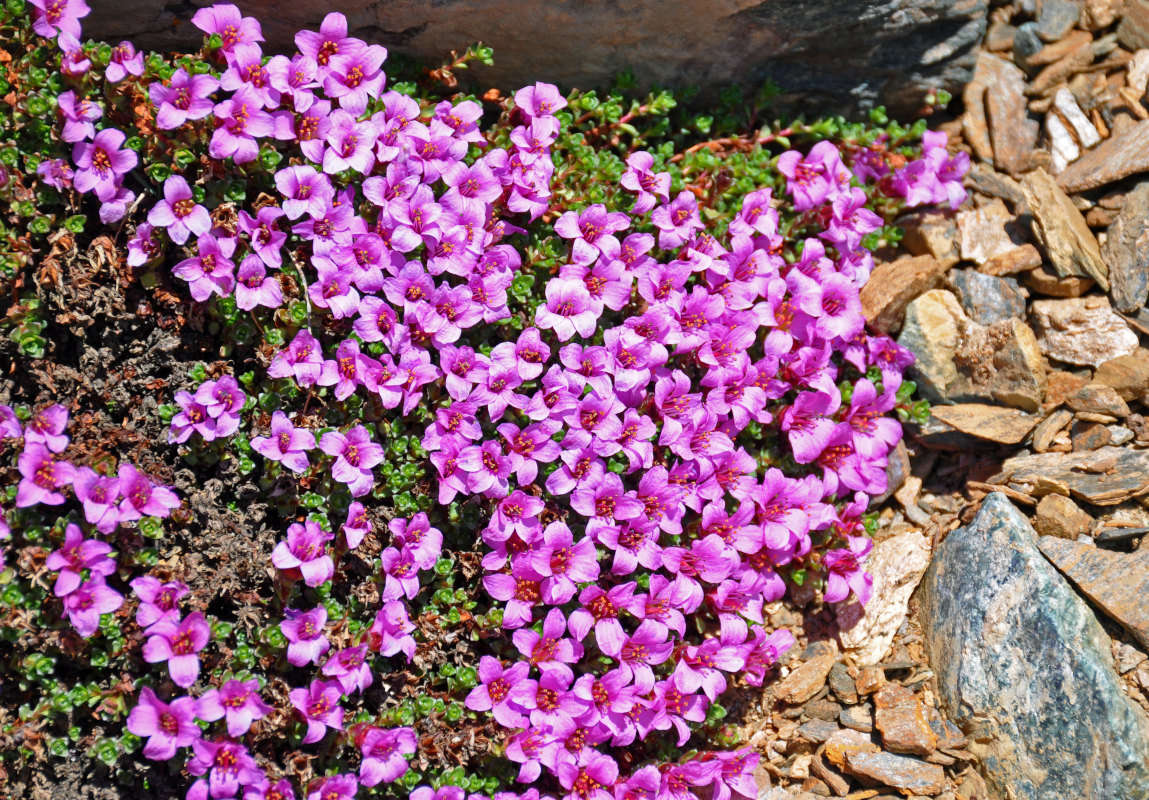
(1023, 666)
(1081, 330)
(817, 730)
(1057, 18)
(833, 53)
(987, 299)
(860, 718)
(1126, 252)
(1027, 42)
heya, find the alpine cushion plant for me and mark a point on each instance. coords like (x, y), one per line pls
(623, 404)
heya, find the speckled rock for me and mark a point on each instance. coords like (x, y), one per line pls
(1081, 330)
(986, 298)
(1025, 669)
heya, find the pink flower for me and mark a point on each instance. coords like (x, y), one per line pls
(158, 601)
(85, 605)
(167, 727)
(383, 750)
(238, 701)
(355, 454)
(304, 633)
(179, 645)
(285, 443)
(567, 309)
(43, 474)
(179, 212)
(74, 557)
(845, 573)
(305, 550)
(319, 706)
(507, 693)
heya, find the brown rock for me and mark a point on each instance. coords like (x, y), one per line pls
(1098, 14)
(1098, 398)
(987, 180)
(818, 730)
(1079, 55)
(1051, 285)
(1133, 32)
(1081, 330)
(824, 709)
(1010, 130)
(900, 717)
(1117, 582)
(1128, 375)
(1061, 230)
(931, 233)
(1048, 428)
(1061, 517)
(1011, 262)
(893, 285)
(974, 125)
(1105, 477)
(910, 775)
(1126, 251)
(1060, 385)
(838, 784)
(860, 718)
(1089, 436)
(986, 232)
(841, 684)
(870, 679)
(1121, 155)
(808, 679)
(845, 742)
(993, 423)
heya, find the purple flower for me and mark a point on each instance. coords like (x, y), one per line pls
(765, 650)
(228, 766)
(179, 645)
(677, 221)
(646, 647)
(649, 186)
(818, 177)
(591, 777)
(563, 563)
(334, 787)
(47, 427)
(179, 212)
(76, 555)
(845, 573)
(807, 425)
(305, 191)
(56, 172)
(126, 60)
(167, 727)
(193, 417)
(211, 270)
(187, 97)
(101, 162)
(43, 475)
(591, 230)
(285, 443)
(158, 601)
(304, 631)
(350, 144)
(567, 309)
(85, 605)
(417, 535)
(241, 121)
(266, 238)
(552, 646)
(540, 100)
(357, 526)
(331, 40)
(383, 750)
(226, 20)
(238, 701)
(305, 550)
(355, 454)
(254, 287)
(349, 667)
(391, 631)
(142, 248)
(507, 693)
(50, 17)
(319, 705)
(78, 117)
(99, 496)
(355, 77)
(302, 360)
(487, 469)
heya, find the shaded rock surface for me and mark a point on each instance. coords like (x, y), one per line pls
(1024, 667)
(1104, 477)
(986, 298)
(1126, 251)
(1118, 582)
(843, 52)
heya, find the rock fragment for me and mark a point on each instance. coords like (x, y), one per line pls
(992, 423)
(1123, 154)
(1104, 477)
(901, 719)
(808, 678)
(1061, 230)
(1010, 130)
(1127, 375)
(1059, 516)
(1097, 398)
(986, 232)
(1126, 251)
(986, 299)
(1081, 330)
(893, 285)
(909, 775)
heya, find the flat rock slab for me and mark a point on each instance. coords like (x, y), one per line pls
(909, 775)
(1081, 330)
(1011, 131)
(1023, 666)
(992, 423)
(807, 679)
(1126, 252)
(1061, 230)
(1121, 155)
(1104, 477)
(1118, 582)
(896, 565)
(893, 285)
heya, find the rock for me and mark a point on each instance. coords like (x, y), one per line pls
(1133, 32)
(842, 685)
(986, 232)
(1083, 129)
(1011, 262)
(817, 730)
(1128, 375)
(1126, 251)
(824, 709)
(1026, 44)
(1060, 385)
(1098, 14)
(896, 564)
(834, 779)
(1063, 148)
(1059, 516)
(1050, 285)
(985, 298)
(1010, 130)
(1081, 330)
(860, 718)
(1137, 73)
(1127, 656)
(900, 718)
(1117, 582)
(1119, 434)
(893, 285)
(1089, 436)
(931, 233)
(910, 775)
(987, 180)
(974, 126)
(1019, 657)
(869, 680)
(959, 360)
(1061, 230)
(809, 678)
(897, 471)
(1121, 155)
(1104, 477)
(1048, 428)
(992, 423)
(1098, 398)
(890, 52)
(845, 742)
(1057, 18)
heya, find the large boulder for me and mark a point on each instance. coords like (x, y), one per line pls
(1025, 669)
(833, 53)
